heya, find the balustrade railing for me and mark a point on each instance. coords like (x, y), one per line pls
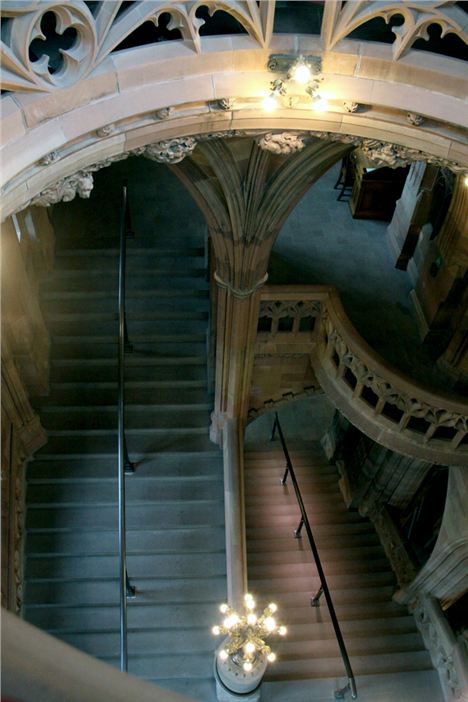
(125, 466)
(324, 589)
(383, 402)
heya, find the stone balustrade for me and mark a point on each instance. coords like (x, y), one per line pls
(381, 401)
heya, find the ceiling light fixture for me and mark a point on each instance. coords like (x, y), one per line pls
(246, 634)
(303, 71)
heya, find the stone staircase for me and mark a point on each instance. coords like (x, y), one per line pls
(380, 635)
(175, 515)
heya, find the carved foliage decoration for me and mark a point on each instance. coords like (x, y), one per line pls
(99, 32)
(168, 151)
(282, 143)
(418, 17)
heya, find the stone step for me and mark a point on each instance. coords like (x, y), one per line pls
(292, 553)
(106, 371)
(372, 644)
(284, 530)
(99, 281)
(61, 620)
(46, 595)
(83, 394)
(162, 464)
(139, 444)
(137, 302)
(408, 686)
(105, 543)
(68, 329)
(166, 565)
(156, 640)
(301, 578)
(274, 545)
(155, 346)
(102, 493)
(137, 260)
(289, 519)
(144, 516)
(352, 604)
(55, 419)
(305, 567)
(369, 663)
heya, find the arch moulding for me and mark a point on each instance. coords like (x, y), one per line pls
(145, 96)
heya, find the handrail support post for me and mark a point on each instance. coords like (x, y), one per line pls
(129, 588)
(349, 687)
(315, 601)
(129, 467)
(285, 476)
(297, 532)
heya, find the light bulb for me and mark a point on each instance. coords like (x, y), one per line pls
(271, 103)
(216, 630)
(272, 607)
(301, 72)
(248, 597)
(223, 654)
(223, 608)
(320, 104)
(251, 619)
(247, 666)
(250, 604)
(249, 647)
(271, 657)
(282, 631)
(227, 623)
(465, 180)
(270, 623)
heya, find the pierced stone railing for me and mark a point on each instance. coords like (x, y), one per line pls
(381, 401)
(85, 34)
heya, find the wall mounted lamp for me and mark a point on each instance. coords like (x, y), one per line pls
(303, 71)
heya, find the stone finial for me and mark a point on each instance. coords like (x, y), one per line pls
(282, 143)
(414, 119)
(163, 113)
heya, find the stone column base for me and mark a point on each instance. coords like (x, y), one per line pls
(235, 685)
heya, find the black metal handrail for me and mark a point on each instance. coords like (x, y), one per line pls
(315, 601)
(124, 463)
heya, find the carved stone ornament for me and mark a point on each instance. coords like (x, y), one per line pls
(225, 103)
(169, 151)
(221, 135)
(414, 119)
(66, 190)
(49, 158)
(351, 106)
(277, 309)
(80, 183)
(163, 113)
(386, 154)
(283, 143)
(107, 130)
